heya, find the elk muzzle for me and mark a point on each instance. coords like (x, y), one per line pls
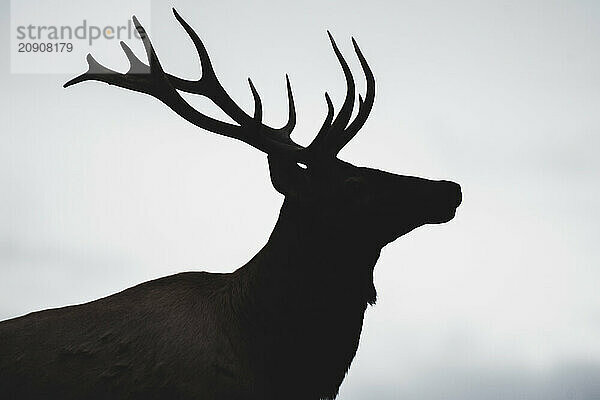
(447, 198)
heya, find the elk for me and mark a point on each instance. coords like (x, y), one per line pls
(285, 325)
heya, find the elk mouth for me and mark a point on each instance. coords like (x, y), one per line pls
(444, 217)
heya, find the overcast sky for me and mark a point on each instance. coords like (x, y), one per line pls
(104, 188)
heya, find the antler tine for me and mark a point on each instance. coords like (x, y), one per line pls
(317, 142)
(343, 117)
(287, 129)
(136, 66)
(364, 107)
(150, 53)
(257, 103)
(152, 80)
(208, 85)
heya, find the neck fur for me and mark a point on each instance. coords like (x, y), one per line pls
(309, 261)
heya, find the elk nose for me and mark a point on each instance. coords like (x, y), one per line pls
(453, 192)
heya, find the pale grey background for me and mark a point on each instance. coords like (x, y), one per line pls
(103, 188)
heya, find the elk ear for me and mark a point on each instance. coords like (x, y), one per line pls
(288, 178)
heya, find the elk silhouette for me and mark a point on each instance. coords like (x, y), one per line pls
(285, 325)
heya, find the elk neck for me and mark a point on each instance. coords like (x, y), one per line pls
(309, 262)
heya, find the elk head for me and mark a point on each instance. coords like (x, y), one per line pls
(348, 200)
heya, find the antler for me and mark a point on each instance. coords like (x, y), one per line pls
(364, 107)
(153, 80)
(333, 136)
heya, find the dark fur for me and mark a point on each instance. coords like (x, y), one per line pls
(285, 325)
(268, 330)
